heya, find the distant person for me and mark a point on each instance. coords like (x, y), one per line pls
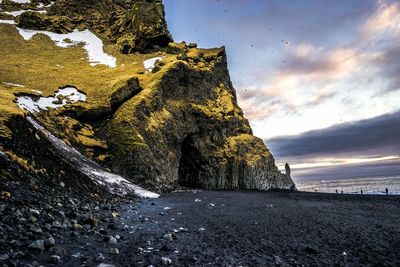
(336, 191)
(341, 191)
(362, 192)
(387, 191)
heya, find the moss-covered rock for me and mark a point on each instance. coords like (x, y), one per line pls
(38, 21)
(134, 25)
(186, 128)
(178, 124)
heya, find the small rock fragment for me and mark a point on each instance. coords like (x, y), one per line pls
(114, 251)
(37, 245)
(166, 261)
(4, 257)
(55, 259)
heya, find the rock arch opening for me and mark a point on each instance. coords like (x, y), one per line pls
(190, 164)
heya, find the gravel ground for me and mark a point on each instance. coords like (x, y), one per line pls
(226, 228)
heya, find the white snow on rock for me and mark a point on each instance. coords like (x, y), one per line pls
(92, 44)
(21, 1)
(61, 98)
(7, 21)
(42, 103)
(149, 64)
(115, 184)
(72, 94)
(13, 84)
(19, 12)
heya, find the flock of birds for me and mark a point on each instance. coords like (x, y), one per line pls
(284, 42)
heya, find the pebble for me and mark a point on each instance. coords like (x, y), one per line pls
(4, 257)
(168, 237)
(100, 257)
(49, 242)
(37, 245)
(166, 261)
(34, 212)
(114, 251)
(105, 265)
(112, 240)
(55, 258)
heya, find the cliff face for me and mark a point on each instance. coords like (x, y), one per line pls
(133, 25)
(164, 115)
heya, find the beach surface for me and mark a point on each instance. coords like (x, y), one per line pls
(234, 228)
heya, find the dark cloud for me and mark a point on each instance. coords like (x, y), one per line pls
(386, 168)
(390, 68)
(379, 135)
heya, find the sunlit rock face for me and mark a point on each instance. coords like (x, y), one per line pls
(134, 25)
(162, 118)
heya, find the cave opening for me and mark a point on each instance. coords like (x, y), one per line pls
(189, 164)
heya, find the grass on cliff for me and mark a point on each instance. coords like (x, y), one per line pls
(38, 64)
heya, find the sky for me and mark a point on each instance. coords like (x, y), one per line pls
(318, 80)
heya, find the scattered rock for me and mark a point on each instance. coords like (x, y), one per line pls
(114, 251)
(55, 259)
(34, 212)
(105, 265)
(4, 257)
(49, 242)
(166, 261)
(100, 257)
(37, 245)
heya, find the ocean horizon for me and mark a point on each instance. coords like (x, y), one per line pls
(368, 185)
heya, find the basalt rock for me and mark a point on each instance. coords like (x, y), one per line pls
(187, 129)
(177, 124)
(134, 25)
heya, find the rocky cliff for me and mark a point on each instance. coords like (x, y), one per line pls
(158, 113)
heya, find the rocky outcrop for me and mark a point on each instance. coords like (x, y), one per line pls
(174, 124)
(187, 129)
(133, 25)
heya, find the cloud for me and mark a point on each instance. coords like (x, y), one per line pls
(386, 168)
(385, 18)
(378, 135)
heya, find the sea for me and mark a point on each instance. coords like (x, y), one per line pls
(369, 185)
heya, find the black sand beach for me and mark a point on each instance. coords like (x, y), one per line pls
(244, 228)
(267, 228)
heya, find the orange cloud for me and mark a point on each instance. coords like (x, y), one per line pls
(387, 17)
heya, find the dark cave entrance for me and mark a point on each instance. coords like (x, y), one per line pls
(189, 164)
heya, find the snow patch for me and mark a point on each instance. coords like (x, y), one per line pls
(115, 184)
(92, 44)
(72, 94)
(61, 98)
(13, 84)
(19, 12)
(21, 1)
(7, 21)
(149, 64)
